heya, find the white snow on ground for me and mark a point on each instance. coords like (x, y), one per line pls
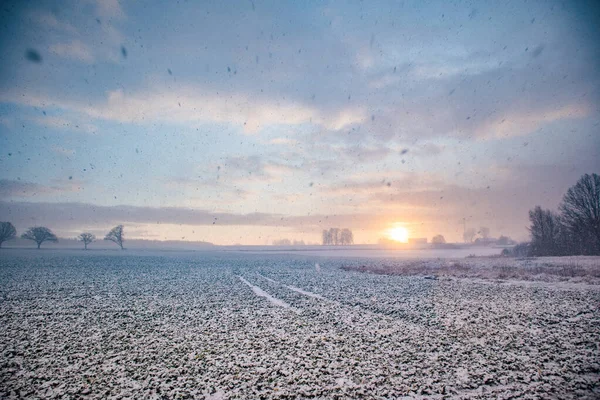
(185, 325)
(259, 292)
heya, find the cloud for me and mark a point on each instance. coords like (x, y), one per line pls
(64, 216)
(62, 151)
(61, 123)
(232, 178)
(284, 141)
(494, 103)
(7, 122)
(253, 168)
(109, 9)
(422, 150)
(204, 190)
(522, 123)
(75, 49)
(189, 104)
(384, 183)
(20, 189)
(85, 40)
(50, 21)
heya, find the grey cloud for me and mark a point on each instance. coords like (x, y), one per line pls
(467, 105)
(68, 216)
(244, 166)
(15, 188)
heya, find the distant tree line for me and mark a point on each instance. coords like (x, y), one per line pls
(338, 237)
(41, 234)
(483, 240)
(573, 230)
(482, 236)
(288, 242)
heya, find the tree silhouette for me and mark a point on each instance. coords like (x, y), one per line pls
(580, 211)
(504, 241)
(545, 232)
(39, 234)
(86, 238)
(484, 232)
(326, 237)
(438, 239)
(346, 237)
(7, 232)
(116, 235)
(469, 235)
(337, 236)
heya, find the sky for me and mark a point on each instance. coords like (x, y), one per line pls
(251, 121)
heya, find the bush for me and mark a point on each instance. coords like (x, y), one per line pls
(520, 250)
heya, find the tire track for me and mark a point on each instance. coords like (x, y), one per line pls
(273, 300)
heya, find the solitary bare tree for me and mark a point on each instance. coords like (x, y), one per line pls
(39, 234)
(86, 238)
(7, 232)
(116, 235)
(580, 211)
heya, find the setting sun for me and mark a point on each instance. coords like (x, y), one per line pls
(399, 234)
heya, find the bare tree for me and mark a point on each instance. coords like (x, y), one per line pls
(326, 237)
(438, 239)
(86, 238)
(116, 235)
(39, 234)
(7, 232)
(469, 235)
(545, 232)
(580, 211)
(335, 235)
(484, 231)
(346, 237)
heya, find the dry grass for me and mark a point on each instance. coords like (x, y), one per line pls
(547, 269)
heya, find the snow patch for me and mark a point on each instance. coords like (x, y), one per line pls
(305, 292)
(295, 289)
(261, 293)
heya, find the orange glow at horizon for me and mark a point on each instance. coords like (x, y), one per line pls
(399, 234)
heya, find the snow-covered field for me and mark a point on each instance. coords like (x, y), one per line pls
(226, 325)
